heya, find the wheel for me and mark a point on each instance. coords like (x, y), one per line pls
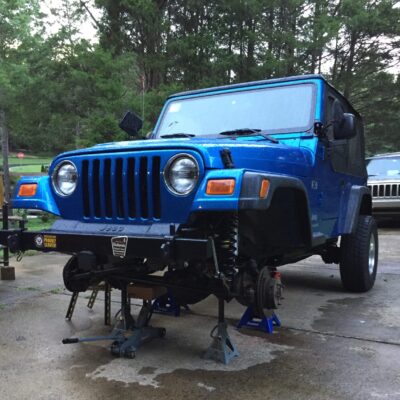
(70, 270)
(114, 349)
(359, 256)
(130, 354)
(162, 332)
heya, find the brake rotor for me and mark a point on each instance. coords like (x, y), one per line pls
(268, 292)
(245, 282)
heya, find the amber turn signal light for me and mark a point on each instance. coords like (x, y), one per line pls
(264, 188)
(27, 190)
(220, 186)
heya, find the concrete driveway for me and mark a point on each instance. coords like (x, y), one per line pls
(332, 344)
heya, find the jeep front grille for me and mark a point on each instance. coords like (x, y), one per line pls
(121, 187)
(385, 190)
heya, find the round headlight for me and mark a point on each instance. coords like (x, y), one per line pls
(181, 174)
(65, 177)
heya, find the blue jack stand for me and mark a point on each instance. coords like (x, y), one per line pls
(265, 324)
(167, 305)
(222, 349)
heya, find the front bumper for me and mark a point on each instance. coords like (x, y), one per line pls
(72, 237)
(386, 208)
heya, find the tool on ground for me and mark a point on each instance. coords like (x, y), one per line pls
(123, 343)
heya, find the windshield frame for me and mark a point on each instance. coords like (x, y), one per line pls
(258, 88)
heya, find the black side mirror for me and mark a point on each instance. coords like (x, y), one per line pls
(345, 128)
(131, 123)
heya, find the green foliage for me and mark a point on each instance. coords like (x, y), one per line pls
(61, 92)
(74, 100)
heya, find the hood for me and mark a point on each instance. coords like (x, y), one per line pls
(250, 153)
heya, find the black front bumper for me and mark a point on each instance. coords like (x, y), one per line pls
(119, 241)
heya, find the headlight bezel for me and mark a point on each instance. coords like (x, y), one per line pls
(168, 167)
(54, 177)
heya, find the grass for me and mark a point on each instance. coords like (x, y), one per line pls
(36, 224)
(28, 164)
(29, 289)
(27, 169)
(56, 290)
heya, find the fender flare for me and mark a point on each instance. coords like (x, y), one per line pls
(251, 183)
(250, 199)
(359, 202)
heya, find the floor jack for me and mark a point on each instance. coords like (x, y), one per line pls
(122, 344)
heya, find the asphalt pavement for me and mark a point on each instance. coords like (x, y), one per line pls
(332, 344)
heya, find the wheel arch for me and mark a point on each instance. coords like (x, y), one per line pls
(280, 220)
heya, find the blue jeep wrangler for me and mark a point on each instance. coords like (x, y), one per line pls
(233, 182)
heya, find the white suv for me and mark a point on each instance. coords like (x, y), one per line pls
(384, 183)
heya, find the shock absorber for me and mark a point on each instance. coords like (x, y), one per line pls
(227, 245)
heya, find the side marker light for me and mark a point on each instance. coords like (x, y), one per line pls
(264, 188)
(27, 190)
(220, 186)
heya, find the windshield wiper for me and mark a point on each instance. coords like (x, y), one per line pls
(238, 132)
(177, 135)
(249, 132)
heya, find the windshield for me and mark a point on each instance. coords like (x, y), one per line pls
(275, 110)
(384, 167)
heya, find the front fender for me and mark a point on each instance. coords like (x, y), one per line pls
(247, 189)
(43, 198)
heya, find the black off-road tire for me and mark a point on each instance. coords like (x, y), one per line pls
(359, 256)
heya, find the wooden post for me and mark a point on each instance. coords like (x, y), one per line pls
(6, 272)
(4, 150)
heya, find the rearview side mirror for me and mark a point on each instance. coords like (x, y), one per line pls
(131, 123)
(345, 128)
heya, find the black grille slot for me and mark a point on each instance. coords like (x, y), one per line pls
(119, 188)
(375, 191)
(144, 208)
(85, 188)
(96, 188)
(131, 188)
(381, 190)
(156, 187)
(387, 190)
(107, 187)
(122, 187)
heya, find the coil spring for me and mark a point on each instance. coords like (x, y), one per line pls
(227, 246)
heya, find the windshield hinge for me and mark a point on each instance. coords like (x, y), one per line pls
(319, 128)
(226, 157)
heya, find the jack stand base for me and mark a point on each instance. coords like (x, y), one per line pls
(7, 273)
(222, 349)
(265, 324)
(166, 305)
